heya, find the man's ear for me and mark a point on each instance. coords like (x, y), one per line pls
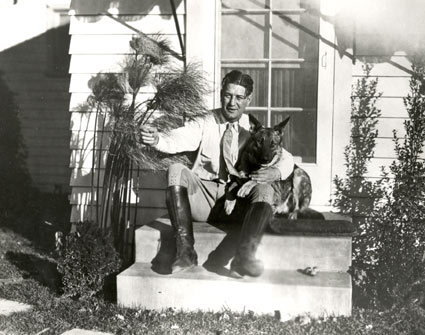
(279, 127)
(254, 124)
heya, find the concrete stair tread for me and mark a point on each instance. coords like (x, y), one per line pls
(279, 226)
(290, 292)
(278, 277)
(155, 243)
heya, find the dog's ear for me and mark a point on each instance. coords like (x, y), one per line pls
(254, 124)
(279, 127)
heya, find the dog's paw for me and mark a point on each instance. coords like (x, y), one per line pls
(246, 188)
(229, 205)
(310, 271)
(293, 215)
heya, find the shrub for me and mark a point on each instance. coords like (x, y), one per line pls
(88, 256)
(397, 249)
(389, 251)
(354, 195)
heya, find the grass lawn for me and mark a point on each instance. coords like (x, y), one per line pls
(28, 275)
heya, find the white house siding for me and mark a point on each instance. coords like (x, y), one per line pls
(98, 45)
(42, 96)
(383, 34)
(387, 34)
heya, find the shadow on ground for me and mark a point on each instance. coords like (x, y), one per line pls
(40, 219)
(38, 268)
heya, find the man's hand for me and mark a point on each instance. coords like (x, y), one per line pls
(246, 188)
(266, 175)
(149, 135)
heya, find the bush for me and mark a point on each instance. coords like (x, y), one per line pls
(394, 263)
(354, 194)
(389, 251)
(87, 258)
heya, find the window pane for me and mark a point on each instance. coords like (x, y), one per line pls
(244, 36)
(294, 36)
(286, 4)
(259, 75)
(244, 4)
(300, 134)
(294, 85)
(290, 30)
(309, 5)
(259, 115)
(283, 86)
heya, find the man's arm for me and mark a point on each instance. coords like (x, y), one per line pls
(186, 138)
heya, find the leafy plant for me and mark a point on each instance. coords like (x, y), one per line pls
(87, 257)
(178, 97)
(354, 195)
(399, 247)
(389, 251)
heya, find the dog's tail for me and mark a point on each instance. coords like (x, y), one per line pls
(309, 213)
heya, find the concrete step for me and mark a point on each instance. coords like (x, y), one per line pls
(290, 292)
(216, 245)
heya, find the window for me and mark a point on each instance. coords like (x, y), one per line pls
(275, 42)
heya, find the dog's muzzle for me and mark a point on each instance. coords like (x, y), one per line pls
(271, 163)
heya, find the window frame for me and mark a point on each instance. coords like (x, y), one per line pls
(204, 29)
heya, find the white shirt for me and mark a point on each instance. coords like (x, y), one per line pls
(205, 136)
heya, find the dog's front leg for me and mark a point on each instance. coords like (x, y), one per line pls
(230, 202)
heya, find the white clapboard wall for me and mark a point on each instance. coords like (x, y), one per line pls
(391, 69)
(28, 55)
(99, 45)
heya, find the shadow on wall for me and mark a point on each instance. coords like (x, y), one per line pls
(36, 71)
(131, 7)
(15, 182)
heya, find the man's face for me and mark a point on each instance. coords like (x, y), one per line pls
(234, 101)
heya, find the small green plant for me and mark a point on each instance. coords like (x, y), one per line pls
(87, 257)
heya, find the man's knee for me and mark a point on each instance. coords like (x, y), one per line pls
(176, 175)
(262, 193)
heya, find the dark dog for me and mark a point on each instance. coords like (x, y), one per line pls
(262, 150)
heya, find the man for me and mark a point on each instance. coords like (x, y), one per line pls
(193, 193)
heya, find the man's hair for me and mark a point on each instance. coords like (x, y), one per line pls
(238, 78)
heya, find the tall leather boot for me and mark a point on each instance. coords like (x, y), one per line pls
(181, 220)
(256, 220)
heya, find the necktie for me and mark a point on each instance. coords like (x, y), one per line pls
(229, 156)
